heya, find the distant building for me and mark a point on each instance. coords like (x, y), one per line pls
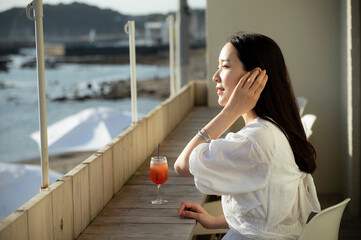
(197, 27)
(156, 33)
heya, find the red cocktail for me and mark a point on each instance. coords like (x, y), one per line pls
(158, 174)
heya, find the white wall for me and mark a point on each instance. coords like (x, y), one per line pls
(308, 33)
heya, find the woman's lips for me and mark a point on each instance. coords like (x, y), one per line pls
(220, 90)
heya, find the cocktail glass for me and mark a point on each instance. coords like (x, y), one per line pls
(158, 174)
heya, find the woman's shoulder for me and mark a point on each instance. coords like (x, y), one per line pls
(261, 132)
(258, 130)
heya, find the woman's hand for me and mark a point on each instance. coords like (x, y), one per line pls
(247, 92)
(195, 211)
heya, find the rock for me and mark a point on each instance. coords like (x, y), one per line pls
(3, 65)
(32, 64)
(155, 88)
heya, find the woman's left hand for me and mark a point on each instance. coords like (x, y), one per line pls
(197, 212)
(247, 92)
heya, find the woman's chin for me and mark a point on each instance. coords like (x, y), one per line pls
(221, 102)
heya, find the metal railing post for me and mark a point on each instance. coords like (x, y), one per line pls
(129, 28)
(37, 6)
(170, 22)
(182, 43)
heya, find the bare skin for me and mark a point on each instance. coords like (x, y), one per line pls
(238, 92)
(195, 211)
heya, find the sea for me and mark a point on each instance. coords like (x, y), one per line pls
(19, 116)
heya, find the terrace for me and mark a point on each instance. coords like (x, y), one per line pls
(108, 194)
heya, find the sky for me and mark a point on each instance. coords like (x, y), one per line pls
(134, 7)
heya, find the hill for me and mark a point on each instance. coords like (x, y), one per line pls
(65, 21)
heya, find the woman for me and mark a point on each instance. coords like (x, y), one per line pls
(263, 172)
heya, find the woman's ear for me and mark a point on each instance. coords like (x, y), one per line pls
(256, 69)
(241, 75)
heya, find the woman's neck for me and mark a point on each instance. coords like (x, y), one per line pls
(249, 117)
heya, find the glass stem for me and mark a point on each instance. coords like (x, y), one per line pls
(158, 185)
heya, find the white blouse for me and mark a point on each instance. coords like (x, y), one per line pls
(264, 194)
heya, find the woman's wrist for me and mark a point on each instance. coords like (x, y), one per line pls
(220, 222)
(220, 123)
(230, 114)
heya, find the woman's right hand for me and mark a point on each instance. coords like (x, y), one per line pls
(195, 211)
(247, 92)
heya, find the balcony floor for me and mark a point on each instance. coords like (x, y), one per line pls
(129, 215)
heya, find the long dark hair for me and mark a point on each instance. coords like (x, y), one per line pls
(277, 102)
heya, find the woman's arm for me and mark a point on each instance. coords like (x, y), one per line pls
(242, 100)
(195, 211)
(215, 129)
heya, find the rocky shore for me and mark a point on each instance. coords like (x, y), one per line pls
(152, 88)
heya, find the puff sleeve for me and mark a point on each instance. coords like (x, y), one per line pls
(232, 165)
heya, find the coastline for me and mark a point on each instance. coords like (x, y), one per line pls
(158, 88)
(152, 88)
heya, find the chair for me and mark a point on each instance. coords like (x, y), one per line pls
(325, 225)
(301, 102)
(214, 208)
(307, 121)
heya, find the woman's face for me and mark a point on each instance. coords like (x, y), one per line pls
(230, 70)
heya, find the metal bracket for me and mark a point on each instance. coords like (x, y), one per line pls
(126, 28)
(28, 8)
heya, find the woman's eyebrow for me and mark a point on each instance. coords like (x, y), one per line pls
(223, 60)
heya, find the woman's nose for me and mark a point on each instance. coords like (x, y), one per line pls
(216, 77)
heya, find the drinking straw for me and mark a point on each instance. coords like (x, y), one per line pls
(158, 151)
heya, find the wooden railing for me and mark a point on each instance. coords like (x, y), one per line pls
(66, 207)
